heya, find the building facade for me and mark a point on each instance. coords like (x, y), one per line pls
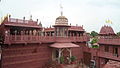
(108, 51)
(26, 44)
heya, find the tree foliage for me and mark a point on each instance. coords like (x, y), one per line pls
(93, 34)
(94, 40)
(118, 33)
(73, 58)
(95, 46)
(94, 43)
(61, 59)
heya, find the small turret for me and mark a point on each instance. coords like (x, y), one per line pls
(40, 24)
(30, 17)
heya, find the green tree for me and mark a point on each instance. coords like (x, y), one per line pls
(61, 59)
(93, 34)
(118, 33)
(73, 58)
(94, 43)
(94, 40)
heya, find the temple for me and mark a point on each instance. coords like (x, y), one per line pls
(26, 44)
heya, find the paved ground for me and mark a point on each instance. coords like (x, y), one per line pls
(75, 66)
(70, 66)
(112, 64)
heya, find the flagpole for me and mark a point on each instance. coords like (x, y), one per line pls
(108, 22)
(61, 8)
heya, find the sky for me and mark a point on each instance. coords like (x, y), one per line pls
(92, 14)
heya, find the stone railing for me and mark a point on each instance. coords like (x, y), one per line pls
(113, 41)
(22, 22)
(42, 39)
(97, 52)
(108, 55)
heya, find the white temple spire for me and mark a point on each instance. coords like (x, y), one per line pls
(61, 8)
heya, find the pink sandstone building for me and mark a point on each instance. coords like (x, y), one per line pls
(26, 44)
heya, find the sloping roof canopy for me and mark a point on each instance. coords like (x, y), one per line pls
(49, 29)
(76, 28)
(63, 45)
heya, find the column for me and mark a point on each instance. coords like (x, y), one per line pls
(69, 49)
(50, 34)
(15, 35)
(67, 32)
(30, 34)
(59, 55)
(73, 34)
(70, 53)
(7, 36)
(21, 34)
(70, 34)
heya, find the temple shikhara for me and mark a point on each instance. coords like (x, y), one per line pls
(26, 44)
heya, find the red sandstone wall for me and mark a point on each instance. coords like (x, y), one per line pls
(101, 61)
(119, 51)
(78, 52)
(111, 49)
(102, 48)
(26, 56)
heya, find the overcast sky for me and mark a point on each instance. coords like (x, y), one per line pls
(92, 14)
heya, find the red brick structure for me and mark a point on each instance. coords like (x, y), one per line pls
(112, 64)
(25, 44)
(109, 48)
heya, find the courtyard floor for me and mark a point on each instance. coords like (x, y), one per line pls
(75, 66)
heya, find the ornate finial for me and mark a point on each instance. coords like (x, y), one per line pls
(23, 18)
(9, 15)
(82, 26)
(50, 26)
(61, 8)
(37, 20)
(30, 17)
(40, 24)
(76, 24)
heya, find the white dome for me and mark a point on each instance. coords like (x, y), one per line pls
(61, 20)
